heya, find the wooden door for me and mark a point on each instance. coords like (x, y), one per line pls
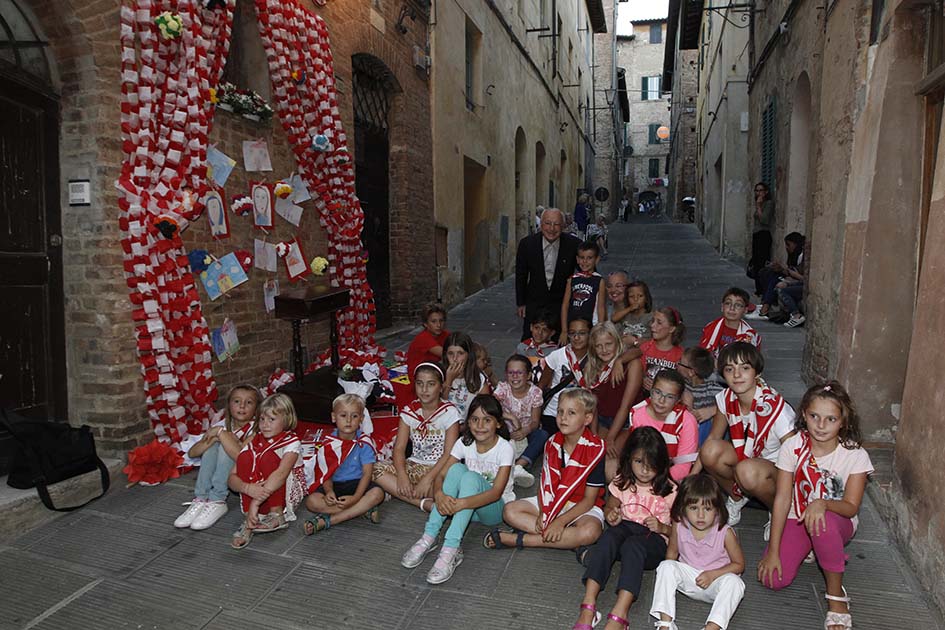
(32, 345)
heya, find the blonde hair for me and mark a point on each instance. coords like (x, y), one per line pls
(348, 400)
(227, 420)
(595, 364)
(281, 405)
(581, 396)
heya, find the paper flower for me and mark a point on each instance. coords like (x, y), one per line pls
(282, 249)
(153, 463)
(245, 259)
(282, 190)
(343, 156)
(319, 265)
(199, 260)
(169, 24)
(320, 143)
(213, 96)
(166, 225)
(242, 205)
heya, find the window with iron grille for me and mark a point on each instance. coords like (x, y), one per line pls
(769, 145)
(372, 89)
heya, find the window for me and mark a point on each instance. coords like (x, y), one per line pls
(654, 168)
(656, 33)
(768, 145)
(654, 128)
(650, 88)
(473, 41)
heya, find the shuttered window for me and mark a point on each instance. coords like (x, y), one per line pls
(769, 145)
(653, 127)
(654, 168)
(650, 88)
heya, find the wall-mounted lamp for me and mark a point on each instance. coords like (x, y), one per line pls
(405, 12)
(563, 126)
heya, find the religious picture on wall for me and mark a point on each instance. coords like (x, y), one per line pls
(262, 197)
(295, 263)
(216, 214)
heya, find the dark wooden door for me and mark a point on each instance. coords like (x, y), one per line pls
(32, 345)
(371, 184)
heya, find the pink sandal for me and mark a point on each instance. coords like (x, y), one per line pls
(588, 626)
(623, 622)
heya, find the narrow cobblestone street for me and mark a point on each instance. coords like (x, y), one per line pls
(119, 563)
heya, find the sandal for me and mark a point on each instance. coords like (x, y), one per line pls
(669, 625)
(318, 523)
(269, 523)
(623, 622)
(588, 626)
(493, 536)
(373, 515)
(242, 537)
(838, 619)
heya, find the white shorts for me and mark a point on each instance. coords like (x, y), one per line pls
(595, 511)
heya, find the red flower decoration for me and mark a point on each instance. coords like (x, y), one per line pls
(153, 463)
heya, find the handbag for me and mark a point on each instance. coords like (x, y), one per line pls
(50, 452)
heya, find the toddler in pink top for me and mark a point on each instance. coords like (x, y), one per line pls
(703, 558)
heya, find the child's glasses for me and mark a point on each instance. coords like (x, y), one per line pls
(515, 372)
(656, 393)
(578, 333)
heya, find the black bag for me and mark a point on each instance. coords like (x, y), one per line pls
(48, 453)
(549, 394)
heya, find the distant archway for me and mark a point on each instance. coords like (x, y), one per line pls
(799, 159)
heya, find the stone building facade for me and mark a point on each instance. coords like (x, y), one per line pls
(681, 80)
(69, 91)
(512, 86)
(641, 36)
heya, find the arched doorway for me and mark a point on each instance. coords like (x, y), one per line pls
(32, 324)
(799, 161)
(523, 213)
(374, 86)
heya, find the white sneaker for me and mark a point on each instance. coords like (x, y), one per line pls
(767, 533)
(521, 477)
(211, 513)
(755, 314)
(416, 554)
(810, 559)
(735, 510)
(443, 569)
(187, 518)
(795, 321)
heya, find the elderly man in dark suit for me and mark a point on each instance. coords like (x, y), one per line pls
(543, 264)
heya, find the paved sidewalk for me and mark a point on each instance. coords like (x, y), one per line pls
(119, 563)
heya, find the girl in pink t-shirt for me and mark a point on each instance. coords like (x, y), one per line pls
(703, 558)
(665, 412)
(822, 473)
(638, 511)
(521, 402)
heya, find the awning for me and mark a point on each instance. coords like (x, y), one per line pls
(682, 33)
(595, 11)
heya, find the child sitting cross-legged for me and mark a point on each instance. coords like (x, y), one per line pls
(269, 475)
(344, 463)
(637, 509)
(703, 558)
(475, 484)
(521, 402)
(566, 513)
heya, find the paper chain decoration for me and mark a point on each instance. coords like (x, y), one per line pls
(166, 115)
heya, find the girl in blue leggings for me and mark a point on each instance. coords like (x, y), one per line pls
(475, 484)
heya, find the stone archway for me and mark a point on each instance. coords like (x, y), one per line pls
(799, 158)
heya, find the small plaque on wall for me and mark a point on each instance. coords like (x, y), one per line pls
(80, 192)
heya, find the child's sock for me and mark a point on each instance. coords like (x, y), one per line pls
(447, 553)
(427, 540)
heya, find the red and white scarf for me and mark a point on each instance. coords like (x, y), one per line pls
(560, 481)
(604, 375)
(574, 364)
(539, 348)
(671, 430)
(749, 438)
(414, 411)
(262, 459)
(331, 452)
(713, 330)
(808, 478)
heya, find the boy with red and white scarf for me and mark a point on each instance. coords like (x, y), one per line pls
(731, 327)
(567, 513)
(340, 473)
(758, 419)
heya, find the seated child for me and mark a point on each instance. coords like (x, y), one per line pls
(634, 316)
(730, 327)
(427, 346)
(615, 385)
(431, 425)
(342, 468)
(475, 484)
(703, 559)
(216, 462)
(463, 378)
(664, 349)
(484, 363)
(697, 366)
(584, 293)
(521, 410)
(541, 343)
(597, 232)
(759, 421)
(269, 474)
(822, 472)
(641, 496)
(563, 369)
(566, 513)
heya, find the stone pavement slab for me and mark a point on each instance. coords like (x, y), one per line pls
(119, 562)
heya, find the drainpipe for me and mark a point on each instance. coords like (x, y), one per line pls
(554, 39)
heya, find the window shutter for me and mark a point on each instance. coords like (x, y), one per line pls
(645, 95)
(654, 139)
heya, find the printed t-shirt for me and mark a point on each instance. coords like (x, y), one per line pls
(636, 325)
(460, 395)
(642, 504)
(558, 363)
(419, 350)
(835, 467)
(783, 424)
(428, 446)
(353, 465)
(487, 464)
(655, 359)
(518, 408)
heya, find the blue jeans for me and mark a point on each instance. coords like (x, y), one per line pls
(536, 445)
(215, 467)
(790, 296)
(461, 482)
